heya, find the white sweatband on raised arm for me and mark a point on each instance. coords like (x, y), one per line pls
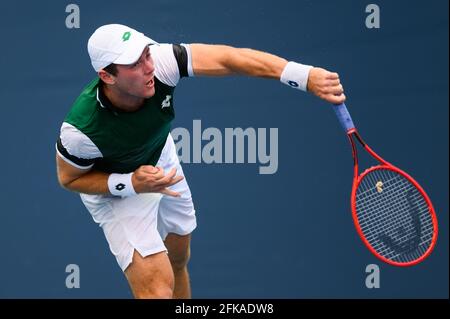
(121, 185)
(296, 75)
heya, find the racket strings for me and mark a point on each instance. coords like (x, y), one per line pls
(393, 216)
(408, 226)
(373, 203)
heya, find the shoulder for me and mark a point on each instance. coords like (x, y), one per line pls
(172, 62)
(85, 104)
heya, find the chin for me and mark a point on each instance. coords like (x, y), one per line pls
(148, 94)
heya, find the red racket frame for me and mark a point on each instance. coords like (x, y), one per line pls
(385, 165)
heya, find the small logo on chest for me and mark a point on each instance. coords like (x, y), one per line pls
(166, 102)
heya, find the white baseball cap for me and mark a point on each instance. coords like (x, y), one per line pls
(116, 43)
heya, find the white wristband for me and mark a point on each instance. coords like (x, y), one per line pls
(296, 75)
(121, 185)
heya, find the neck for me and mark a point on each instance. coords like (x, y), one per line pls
(122, 101)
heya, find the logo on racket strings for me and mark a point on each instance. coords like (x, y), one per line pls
(379, 186)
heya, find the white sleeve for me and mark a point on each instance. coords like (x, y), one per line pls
(172, 61)
(75, 148)
(190, 70)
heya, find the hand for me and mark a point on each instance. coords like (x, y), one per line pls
(150, 179)
(326, 85)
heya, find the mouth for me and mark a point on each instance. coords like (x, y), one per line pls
(150, 83)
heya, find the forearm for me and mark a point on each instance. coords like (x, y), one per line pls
(219, 60)
(94, 182)
(255, 63)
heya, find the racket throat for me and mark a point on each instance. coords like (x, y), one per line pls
(354, 150)
(354, 133)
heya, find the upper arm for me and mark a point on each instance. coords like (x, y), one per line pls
(76, 154)
(210, 59)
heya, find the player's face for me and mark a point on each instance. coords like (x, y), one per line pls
(137, 79)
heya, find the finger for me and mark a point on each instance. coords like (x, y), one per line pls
(337, 90)
(334, 90)
(169, 192)
(335, 99)
(166, 180)
(159, 174)
(332, 76)
(149, 169)
(152, 175)
(158, 188)
(333, 82)
(176, 180)
(173, 181)
(171, 174)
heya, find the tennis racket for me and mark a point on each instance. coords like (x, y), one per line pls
(392, 213)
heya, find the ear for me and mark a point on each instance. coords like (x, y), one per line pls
(106, 77)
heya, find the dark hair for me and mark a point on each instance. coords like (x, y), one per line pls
(111, 69)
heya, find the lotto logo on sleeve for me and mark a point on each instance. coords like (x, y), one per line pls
(120, 187)
(293, 84)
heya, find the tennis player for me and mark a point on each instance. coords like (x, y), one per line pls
(115, 147)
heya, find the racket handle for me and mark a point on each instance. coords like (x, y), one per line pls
(344, 117)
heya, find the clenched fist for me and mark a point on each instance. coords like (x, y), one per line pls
(326, 85)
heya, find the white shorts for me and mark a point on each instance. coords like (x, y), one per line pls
(142, 222)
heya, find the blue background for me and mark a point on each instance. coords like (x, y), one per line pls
(287, 235)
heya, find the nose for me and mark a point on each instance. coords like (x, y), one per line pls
(148, 66)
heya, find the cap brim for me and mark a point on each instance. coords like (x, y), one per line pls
(135, 48)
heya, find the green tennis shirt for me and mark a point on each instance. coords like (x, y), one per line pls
(126, 140)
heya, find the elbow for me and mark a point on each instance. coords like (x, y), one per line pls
(64, 182)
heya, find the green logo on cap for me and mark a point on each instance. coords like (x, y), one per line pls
(126, 36)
